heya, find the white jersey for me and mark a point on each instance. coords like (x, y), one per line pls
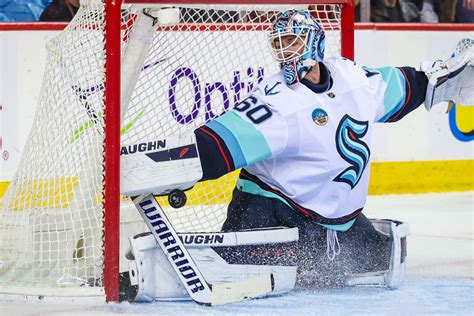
(312, 150)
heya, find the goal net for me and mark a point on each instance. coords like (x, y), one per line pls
(178, 75)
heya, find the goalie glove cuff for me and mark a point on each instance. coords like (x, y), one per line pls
(453, 79)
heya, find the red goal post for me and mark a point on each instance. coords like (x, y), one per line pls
(60, 219)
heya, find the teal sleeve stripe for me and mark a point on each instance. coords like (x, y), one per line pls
(341, 227)
(230, 141)
(251, 141)
(253, 188)
(395, 94)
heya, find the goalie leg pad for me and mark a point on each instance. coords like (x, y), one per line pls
(221, 258)
(393, 277)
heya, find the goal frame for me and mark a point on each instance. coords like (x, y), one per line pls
(111, 201)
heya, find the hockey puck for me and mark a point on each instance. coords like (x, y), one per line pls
(177, 198)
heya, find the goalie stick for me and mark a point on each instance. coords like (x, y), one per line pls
(200, 291)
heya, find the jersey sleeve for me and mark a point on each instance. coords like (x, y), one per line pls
(251, 132)
(398, 91)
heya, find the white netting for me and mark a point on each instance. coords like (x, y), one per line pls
(51, 218)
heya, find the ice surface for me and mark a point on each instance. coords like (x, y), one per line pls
(440, 273)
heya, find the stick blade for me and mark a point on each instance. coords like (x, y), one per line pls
(226, 293)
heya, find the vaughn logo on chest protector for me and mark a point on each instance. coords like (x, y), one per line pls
(143, 147)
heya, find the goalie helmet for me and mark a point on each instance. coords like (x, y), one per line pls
(302, 49)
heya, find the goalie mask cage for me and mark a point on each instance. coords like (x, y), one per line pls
(60, 219)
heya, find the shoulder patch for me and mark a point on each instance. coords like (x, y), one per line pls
(319, 116)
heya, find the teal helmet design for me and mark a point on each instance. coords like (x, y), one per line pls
(304, 46)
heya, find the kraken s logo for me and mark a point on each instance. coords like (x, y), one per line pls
(352, 149)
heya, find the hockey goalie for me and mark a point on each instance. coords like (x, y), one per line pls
(301, 140)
